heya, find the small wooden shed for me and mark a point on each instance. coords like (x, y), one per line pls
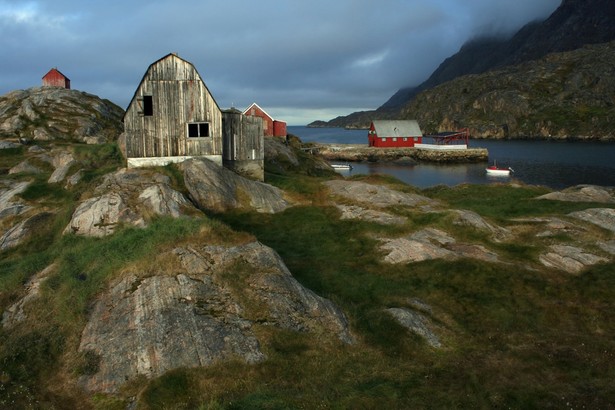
(271, 127)
(244, 148)
(172, 116)
(54, 78)
(394, 133)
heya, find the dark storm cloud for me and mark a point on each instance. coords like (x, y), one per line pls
(301, 60)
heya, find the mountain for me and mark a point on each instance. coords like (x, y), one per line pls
(574, 24)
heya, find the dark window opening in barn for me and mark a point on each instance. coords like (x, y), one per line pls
(198, 130)
(148, 105)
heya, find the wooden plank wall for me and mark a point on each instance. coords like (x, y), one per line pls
(242, 137)
(179, 96)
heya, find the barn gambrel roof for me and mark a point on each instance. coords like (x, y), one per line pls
(170, 55)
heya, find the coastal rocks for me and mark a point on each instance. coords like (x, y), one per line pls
(377, 195)
(195, 306)
(217, 189)
(583, 193)
(602, 217)
(129, 197)
(431, 243)
(570, 259)
(364, 153)
(351, 212)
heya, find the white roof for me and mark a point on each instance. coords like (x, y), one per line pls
(397, 128)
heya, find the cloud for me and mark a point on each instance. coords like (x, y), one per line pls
(305, 58)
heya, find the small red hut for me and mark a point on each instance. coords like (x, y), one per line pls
(394, 134)
(271, 127)
(54, 78)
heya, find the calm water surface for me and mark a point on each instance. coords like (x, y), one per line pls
(554, 164)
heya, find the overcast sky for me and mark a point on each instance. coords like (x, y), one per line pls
(300, 60)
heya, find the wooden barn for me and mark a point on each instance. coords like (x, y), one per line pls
(172, 116)
(244, 148)
(271, 127)
(394, 133)
(54, 78)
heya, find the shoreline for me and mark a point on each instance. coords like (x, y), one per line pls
(363, 153)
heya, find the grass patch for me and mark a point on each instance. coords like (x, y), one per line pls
(502, 202)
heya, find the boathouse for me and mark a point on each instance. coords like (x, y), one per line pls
(271, 126)
(172, 116)
(54, 78)
(394, 133)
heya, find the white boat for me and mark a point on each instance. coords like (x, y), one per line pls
(341, 166)
(493, 170)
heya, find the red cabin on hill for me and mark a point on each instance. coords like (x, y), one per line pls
(271, 127)
(54, 78)
(394, 134)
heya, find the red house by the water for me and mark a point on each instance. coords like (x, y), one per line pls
(271, 127)
(54, 78)
(394, 134)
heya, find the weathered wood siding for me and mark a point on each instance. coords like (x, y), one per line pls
(179, 96)
(242, 136)
(244, 149)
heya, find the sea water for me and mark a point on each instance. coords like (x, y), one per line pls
(554, 164)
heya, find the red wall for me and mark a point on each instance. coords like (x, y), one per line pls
(375, 140)
(267, 120)
(55, 79)
(279, 128)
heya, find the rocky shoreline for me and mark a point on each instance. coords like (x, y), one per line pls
(363, 153)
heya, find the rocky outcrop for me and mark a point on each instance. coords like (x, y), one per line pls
(196, 306)
(416, 323)
(583, 193)
(569, 259)
(353, 212)
(469, 218)
(53, 113)
(602, 217)
(215, 188)
(377, 195)
(16, 313)
(23, 230)
(128, 197)
(10, 204)
(431, 243)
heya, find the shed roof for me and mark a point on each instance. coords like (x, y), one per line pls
(397, 128)
(57, 71)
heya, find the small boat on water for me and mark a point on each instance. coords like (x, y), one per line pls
(493, 170)
(344, 167)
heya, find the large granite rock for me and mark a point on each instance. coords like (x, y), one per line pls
(377, 195)
(23, 230)
(431, 243)
(353, 212)
(215, 188)
(10, 203)
(198, 305)
(127, 197)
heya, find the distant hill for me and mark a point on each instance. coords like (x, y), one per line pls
(574, 24)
